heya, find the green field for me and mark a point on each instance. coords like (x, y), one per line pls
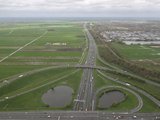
(134, 54)
(101, 82)
(148, 105)
(63, 43)
(30, 48)
(146, 56)
(31, 100)
(37, 57)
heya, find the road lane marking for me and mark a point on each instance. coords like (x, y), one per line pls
(59, 117)
(92, 105)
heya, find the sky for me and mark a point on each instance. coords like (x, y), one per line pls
(79, 8)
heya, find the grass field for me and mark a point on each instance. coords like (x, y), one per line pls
(146, 56)
(10, 70)
(153, 90)
(148, 106)
(32, 100)
(136, 52)
(31, 81)
(32, 46)
(101, 82)
(63, 43)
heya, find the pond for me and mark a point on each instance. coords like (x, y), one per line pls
(110, 98)
(60, 96)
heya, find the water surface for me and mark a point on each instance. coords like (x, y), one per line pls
(59, 96)
(110, 98)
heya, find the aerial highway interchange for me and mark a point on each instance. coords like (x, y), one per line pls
(85, 100)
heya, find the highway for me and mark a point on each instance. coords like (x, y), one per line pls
(83, 85)
(84, 104)
(84, 100)
(76, 115)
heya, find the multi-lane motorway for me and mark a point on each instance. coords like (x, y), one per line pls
(84, 104)
(85, 95)
(76, 115)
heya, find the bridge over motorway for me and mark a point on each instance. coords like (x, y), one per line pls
(84, 103)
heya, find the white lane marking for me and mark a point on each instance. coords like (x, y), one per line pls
(59, 117)
(23, 47)
(92, 105)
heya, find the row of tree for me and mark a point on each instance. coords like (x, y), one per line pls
(106, 53)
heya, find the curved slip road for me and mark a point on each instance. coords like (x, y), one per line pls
(140, 101)
(51, 82)
(16, 77)
(157, 102)
(83, 84)
(127, 73)
(87, 84)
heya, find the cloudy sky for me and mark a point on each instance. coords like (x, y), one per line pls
(79, 8)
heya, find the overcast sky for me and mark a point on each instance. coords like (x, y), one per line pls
(80, 8)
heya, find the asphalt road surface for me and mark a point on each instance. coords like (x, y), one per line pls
(85, 101)
(140, 101)
(156, 101)
(73, 115)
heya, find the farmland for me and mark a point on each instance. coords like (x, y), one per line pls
(144, 55)
(27, 51)
(43, 51)
(36, 58)
(133, 66)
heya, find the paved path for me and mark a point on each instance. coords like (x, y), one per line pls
(23, 47)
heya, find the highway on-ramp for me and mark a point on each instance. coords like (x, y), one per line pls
(156, 101)
(84, 104)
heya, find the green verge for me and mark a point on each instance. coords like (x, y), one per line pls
(101, 82)
(142, 55)
(32, 100)
(34, 80)
(148, 105)
(134, 52)
(153, 90)
(10, 70)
